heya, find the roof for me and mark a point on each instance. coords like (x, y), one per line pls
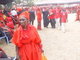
(57, 1)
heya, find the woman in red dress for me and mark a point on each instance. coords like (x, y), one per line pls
(39, 18)
(27, 41)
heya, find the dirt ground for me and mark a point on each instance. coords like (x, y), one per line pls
(56, 44)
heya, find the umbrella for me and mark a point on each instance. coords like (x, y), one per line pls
(5, 1)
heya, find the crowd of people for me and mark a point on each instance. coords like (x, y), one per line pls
(17, 23)
(56, 16)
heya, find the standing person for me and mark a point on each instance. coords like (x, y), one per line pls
(27, 41)
(32, 16)
(39, 18)
(63, 20)
(14, 16)
(57, 17)
(45, 17)
(52, 17)
(78, 15)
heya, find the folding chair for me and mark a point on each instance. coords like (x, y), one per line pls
(4, 36)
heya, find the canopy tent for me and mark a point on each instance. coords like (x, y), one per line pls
(5, 1)
(56, 1)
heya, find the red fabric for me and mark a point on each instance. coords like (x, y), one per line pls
(26, 14)
(63, 17)
(51, 14)
(78, 15)
(57, 13)
(10, 25)
(19, 9)
(39, 15)
(29, 43)
(1, 25)
(9, 19)
(1, 16)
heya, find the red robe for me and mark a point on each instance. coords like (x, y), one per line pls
(28, 42)
(39, 17)
(63, 17)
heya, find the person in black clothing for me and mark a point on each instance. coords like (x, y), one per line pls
(45, 18)
(32, 16)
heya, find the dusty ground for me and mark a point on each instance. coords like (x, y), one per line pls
(56, 44)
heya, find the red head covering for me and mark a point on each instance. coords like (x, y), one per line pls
(25, 14)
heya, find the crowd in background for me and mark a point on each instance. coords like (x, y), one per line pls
(56, 16)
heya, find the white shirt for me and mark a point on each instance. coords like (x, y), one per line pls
(13, 13)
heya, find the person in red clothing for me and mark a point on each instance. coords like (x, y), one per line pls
(52, 17)
(57, 17)
(9, 22)
(63, 19)
(39, 18)
(27, 41)
(78, 15)
(1, 15)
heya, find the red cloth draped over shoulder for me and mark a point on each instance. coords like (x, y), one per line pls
(29, 43)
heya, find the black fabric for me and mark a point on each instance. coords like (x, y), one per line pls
(52, 21)
(45, 18)
(32, 17)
